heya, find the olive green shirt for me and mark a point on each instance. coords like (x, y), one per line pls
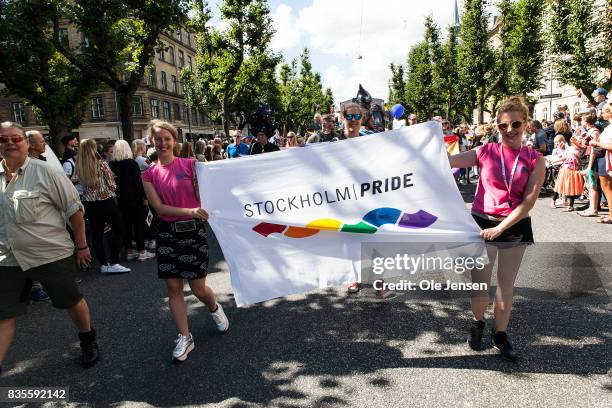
(34, 208)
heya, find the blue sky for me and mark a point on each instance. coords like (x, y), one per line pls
(331, 31)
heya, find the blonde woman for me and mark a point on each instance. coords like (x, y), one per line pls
(131, 199)
(100, 201)
(291, 140)
(182, 249)
(511, 178)
(139, 150)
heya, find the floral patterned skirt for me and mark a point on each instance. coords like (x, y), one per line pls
(181, 255)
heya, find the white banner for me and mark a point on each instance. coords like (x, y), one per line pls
(294, 221)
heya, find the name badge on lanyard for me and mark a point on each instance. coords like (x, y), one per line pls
(503, 168)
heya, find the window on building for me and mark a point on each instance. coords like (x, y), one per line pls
(171, 55)
(186, 114)
(188, 38)
(154, 108)
(152, 77)
(203, 119)
(161, 53)
(194, 116)
(179, 35)
(577, 108)
(97, 107)
(63, 36)
(137, 106)
(545, 113)
(18, 112)
(167, 111)
(177, 112)
(190, 63)
(164, 81)
(181, 61)
(174, 84)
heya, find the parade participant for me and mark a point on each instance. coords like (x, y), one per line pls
(291, 140)
(36, 199)
(569, 183)
(328, 133)
(604, 164)
(68, 161)
(139, 151)
(131, 198)
(511, 177)
(100, 201)
(262, 145)
(412, 119)
(182, 248)
(592, 135)
(36, 150)
(238, 148)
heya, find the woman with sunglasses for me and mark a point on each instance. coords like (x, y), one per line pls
(511, 176)
(182, 249)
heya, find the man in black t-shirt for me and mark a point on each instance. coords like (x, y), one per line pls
(262, 145)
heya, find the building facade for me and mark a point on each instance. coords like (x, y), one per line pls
(160, 96)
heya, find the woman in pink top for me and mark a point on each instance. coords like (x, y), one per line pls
(182, 250)
(511, 177)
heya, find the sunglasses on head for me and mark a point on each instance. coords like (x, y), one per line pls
(517, 124)
(352, 116)
(13, 139)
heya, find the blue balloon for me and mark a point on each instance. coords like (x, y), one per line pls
(397, 111)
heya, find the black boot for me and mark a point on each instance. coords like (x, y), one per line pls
(475, 338)
(89, 348)
(500, 341)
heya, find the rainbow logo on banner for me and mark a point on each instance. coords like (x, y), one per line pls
(369, 224)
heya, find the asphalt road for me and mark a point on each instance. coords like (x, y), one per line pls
(329, 349)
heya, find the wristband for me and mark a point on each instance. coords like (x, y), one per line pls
(82, 248)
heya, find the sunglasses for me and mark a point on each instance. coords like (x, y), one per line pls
(352, 116)
(517, 124)
(13, 139)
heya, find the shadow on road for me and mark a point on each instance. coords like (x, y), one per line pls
(271, 345)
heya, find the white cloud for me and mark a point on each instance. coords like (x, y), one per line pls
(389, 29)
(287, 33)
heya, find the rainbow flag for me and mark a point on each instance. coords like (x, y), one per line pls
(452, 144)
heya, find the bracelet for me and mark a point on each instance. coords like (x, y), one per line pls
(82, 248)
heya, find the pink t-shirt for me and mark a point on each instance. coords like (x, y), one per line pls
(173, 183)
(492, 194)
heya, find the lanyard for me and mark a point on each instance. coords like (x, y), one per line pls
(503, 168)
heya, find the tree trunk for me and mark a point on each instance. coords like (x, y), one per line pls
(125, 112)
(481, 110)
(57, 130)
(225, 118)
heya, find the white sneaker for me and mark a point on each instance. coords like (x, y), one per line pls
(116, 268)
(183, 347)
(145, 255)
(220, 320)
(131, 255)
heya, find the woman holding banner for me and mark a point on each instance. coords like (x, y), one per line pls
(182, 250)
(511, 177)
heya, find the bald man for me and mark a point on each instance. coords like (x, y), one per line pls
(37, 144)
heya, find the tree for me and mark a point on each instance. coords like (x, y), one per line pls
(475, 56)
(419, 84)
(580, 33)
(31, 67)
(301, 94)
(234, 68)
(119, 39)
(450, 78)
(397, 86)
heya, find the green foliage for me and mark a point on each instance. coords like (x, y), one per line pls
(580, 33)
(234, 67)
(31, 67)
(397, 88)
(419, 85)
(301, 93)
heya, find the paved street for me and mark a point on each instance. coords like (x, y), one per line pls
(328, 349)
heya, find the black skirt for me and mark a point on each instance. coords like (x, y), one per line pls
(519, 232)
(181, 255)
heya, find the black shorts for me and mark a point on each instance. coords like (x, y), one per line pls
(57, 278)
(181, 255)
(519, 232)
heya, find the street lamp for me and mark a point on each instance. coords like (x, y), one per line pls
(564, 58)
